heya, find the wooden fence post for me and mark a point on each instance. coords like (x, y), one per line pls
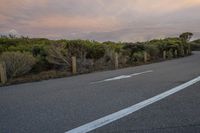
(116, 61)
(145, 56)
(3, 72)
(164, 55)
(74, 66)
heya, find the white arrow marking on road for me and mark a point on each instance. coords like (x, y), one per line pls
(127, 111)
(122, 77)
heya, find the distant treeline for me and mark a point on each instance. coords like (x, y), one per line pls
(23, 56)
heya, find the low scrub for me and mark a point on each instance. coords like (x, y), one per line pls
(35, 55)
(17, 63)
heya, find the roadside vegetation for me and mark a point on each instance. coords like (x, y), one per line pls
(30, 59)
(195, 45)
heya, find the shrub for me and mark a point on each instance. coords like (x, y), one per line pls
(78, 48)
(133, 50)
(116, 47)
(17, 63)
(95, 51)
(138, 56)
(170, 54)
(57, 54)
(153, 51)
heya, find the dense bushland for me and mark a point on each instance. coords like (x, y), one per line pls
(38, 55)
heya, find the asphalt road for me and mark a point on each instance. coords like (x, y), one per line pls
(59, 105)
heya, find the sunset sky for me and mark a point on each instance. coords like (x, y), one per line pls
(102, 20)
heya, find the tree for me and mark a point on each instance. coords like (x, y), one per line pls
(186, 36)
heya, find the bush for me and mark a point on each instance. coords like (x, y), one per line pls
(170, 54)
(138, 57)
(58, 55)
(153, 51)
(116, 47)
(17, 63)
(95, 51)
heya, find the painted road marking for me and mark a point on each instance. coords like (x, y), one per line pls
(122, 113)
(122, 77)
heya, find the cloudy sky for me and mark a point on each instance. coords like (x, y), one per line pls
(102, 20)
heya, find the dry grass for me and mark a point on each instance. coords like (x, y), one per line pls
(38, 77)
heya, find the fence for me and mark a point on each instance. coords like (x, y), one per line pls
(115, 63)
(3, 72)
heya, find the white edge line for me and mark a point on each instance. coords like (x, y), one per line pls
(121, 77)
(122, 113)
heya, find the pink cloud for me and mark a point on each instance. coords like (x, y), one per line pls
(82, 16)
(83, 23)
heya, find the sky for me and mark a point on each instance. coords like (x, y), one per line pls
(101, 20)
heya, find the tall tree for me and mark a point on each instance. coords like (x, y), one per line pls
(186, 36)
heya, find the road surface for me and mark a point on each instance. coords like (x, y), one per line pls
(71, 104)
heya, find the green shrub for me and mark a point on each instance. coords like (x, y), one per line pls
(133, 50)
(95, 51)
(153, 51)
(58, 55)
(116, 47)
(170, 54)
(17, 63)
(138, 56)
(77, 48)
